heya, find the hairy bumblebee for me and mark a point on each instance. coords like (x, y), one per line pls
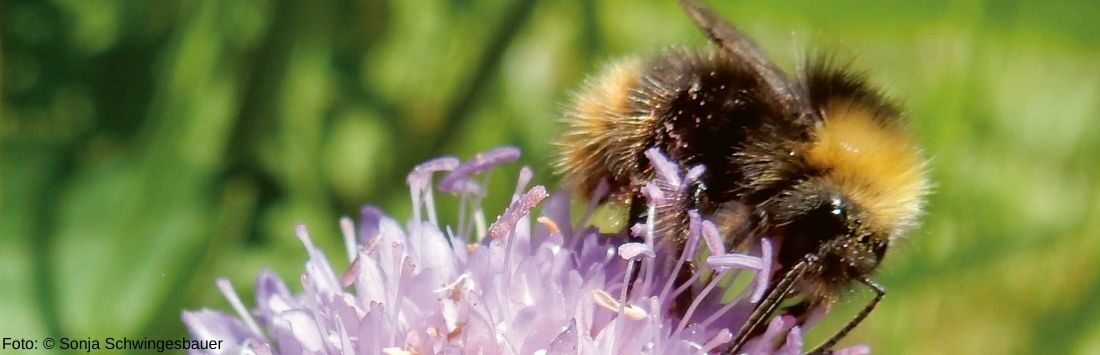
(820, 162)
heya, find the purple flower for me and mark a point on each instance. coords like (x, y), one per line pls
(520, 285)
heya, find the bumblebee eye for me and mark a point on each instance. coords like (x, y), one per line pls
(825, 222)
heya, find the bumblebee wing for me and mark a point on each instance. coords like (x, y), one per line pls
(741, 48)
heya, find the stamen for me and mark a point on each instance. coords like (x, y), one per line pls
(721, 311)
(479, 219)
(731, 261)
(630, 251)
(479, 211)
(605, 300)
(506, 222)
(699, 299)
(763, 277)
(689, 251)
(389, 269)
(764, 342)
(462, 201)
(713, 239)
(347, 229)
(695, 173)
(455, 289)
(683, 287)
(665, 168)
(617, 335)
(405, 268)
(525, 176)
(317, 263)
(453, 182)
(727, 262)
(655, 196)
(793, 343)
(724, 336)
(234, 300)
(550, 225)
(653, 193)
(349, 276)
(423, 171)
(420, 181)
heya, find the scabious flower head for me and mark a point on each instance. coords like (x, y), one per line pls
(520, 285)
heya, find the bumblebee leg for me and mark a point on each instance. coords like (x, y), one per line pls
(775, 295)
(698, 194)
(737, 223)
(826, 347)
(800, 311)
(639, 211)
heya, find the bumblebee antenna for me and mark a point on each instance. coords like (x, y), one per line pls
(784, 287)
(741, 48)
(771, 301)
(826, 347)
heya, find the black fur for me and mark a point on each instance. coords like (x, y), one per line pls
(708, 109)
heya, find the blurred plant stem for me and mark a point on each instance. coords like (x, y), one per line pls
(488, 64)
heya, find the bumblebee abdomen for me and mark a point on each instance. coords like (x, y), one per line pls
(696, 107)
(604, 130)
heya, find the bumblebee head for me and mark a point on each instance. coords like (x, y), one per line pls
(814, 218)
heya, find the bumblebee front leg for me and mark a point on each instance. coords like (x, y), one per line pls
(826, 347)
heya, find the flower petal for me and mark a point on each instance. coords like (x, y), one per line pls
(418, 290)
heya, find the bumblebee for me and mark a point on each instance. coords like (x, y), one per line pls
(820, 162)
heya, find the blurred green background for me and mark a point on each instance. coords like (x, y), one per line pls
(149, 147)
